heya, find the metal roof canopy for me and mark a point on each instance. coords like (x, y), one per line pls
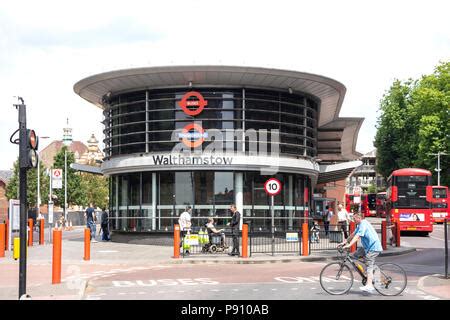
(336, 172)
(330, 92)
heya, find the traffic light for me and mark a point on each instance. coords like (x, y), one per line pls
(32, 146)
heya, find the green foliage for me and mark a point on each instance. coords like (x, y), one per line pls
(96, 189)
(414, 122)
(372, 188)
(12, 190)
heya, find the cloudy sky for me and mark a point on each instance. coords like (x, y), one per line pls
(47, 46)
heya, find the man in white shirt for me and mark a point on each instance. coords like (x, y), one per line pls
(343, 219)
(185, 223)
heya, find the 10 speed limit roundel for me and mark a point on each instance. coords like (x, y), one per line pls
(272, 186)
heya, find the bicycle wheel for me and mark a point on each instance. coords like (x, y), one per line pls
(336, 278)
(389, 279)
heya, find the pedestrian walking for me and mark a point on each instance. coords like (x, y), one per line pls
(185, 224)
(343, 219)
(105, 225)
(90, 220)
(235, 224)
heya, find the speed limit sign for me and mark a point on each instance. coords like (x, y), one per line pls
(272, 187)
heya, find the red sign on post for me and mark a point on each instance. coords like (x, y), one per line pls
(200, 103)
(272, 186)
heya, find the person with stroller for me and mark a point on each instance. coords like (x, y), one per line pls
(211, 229)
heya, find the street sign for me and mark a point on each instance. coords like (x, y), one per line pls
(57, 178)
(272, 187)
(14, 219)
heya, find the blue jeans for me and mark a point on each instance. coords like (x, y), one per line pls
(91, 225)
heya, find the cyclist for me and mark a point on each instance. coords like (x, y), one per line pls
(371, 246)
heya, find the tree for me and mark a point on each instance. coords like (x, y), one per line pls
(413, 124)
(12, 189)
(96, 188)
(75, 192)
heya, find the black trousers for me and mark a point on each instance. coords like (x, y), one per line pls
(326, 225)
(343, 225)
(235, 234)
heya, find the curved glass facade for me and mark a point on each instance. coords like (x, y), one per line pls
(153, 201)
(144, 121)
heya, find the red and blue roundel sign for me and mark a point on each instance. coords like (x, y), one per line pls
(193, 135)
(272, 186)
(192, 107)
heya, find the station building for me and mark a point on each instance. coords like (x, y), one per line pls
(210, 136)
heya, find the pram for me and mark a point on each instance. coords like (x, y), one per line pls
(215, 244)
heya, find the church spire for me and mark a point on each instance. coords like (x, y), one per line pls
(67, 137)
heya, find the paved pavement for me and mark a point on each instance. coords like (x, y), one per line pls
(110, 259)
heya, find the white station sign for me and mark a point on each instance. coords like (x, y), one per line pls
(57, 178)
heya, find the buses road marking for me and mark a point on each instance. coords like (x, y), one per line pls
(163, 282)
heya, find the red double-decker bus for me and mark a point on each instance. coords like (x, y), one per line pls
(381, 204)
(409, 197)
(352, 206)
(440, 204)
(370, 205)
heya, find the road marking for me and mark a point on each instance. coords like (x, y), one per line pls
(428, 297)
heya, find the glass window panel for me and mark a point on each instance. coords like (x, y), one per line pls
(166, 184)
(184, 187)
(204, 188)
(146, 188)
(224, 188)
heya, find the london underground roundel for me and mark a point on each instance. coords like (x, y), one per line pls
(193, 135)
(192, 107)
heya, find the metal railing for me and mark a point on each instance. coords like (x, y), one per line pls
(280, 242)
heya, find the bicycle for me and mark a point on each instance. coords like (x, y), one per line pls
(336, 278)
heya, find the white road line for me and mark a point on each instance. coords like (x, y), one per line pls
(438, 238)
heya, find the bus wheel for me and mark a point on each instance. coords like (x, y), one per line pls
(426, 234)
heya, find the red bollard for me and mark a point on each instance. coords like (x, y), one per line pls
(2, 240)
(57, 250)
(245, 240)
(7, 236)
(87, 244)
(384, 235)
(397, 230)
(305, 239)
(176, 241)
(352, 229)
(41, 232)
(30, 232)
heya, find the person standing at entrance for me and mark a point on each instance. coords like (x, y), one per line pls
(185, 224)
(343, 219)
(235, 223)
(326, 222)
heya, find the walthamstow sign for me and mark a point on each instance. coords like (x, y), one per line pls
(180, 159)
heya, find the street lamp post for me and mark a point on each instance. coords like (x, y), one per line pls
(438, 169)
(65, 185)
(38, 211)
